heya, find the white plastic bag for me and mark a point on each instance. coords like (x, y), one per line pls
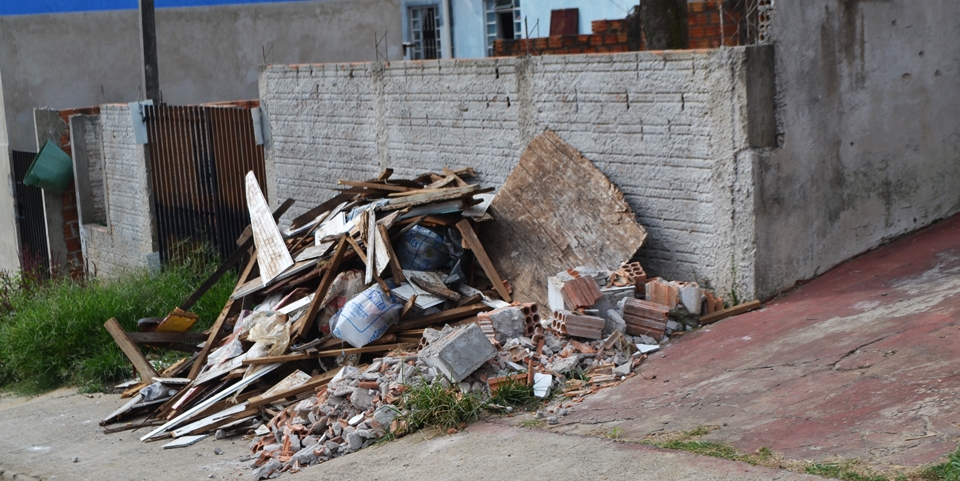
(366, 317)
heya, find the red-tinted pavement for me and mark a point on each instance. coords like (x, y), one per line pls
(862, 362)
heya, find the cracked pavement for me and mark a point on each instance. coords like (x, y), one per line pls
(862, 362)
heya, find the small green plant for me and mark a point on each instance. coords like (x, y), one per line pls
(439, 406)
(532, 423)
(515, 393)
(615, 433)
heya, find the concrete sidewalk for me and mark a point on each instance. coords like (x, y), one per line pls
(42, 436)
(863, 362)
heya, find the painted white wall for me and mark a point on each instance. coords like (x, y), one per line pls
(9, 259)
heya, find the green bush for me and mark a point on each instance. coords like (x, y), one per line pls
(52, 334)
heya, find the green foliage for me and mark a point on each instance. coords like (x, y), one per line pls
(439, 406)
(515, 393)
(948, 471)
(52, 334)
(843, 470)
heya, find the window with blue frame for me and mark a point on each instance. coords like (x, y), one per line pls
(424, 33)
(503, 21)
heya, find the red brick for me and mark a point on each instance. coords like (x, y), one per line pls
(598, 26)
(695, 7)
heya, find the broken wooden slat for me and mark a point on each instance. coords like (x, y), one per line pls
(246, 237)
(184, 441)
(210, 401)
(157, 337)
(177, 321)
(557, 210)
(376, 186)
(435, 196)
(321, 293)
(728, 312)
(440, 317)
(273, 256)
(313, 383)
(214, 331)
(369, 238)
(146, 371)
(395, 268)
(381, 258)
(435, 289)
(473, 243)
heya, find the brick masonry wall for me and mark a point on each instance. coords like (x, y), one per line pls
(127, 239)
(667, 128)
(68, 202)
(610, 36)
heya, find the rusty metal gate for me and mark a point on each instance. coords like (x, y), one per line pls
(31, 221)
(199, 156)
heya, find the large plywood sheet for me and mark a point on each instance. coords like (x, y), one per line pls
(557, 211)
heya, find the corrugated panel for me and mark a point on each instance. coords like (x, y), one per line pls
(30, 216)
(199, 156)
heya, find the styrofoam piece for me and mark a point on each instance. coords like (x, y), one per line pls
(541, 384)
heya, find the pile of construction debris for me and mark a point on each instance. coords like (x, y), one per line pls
(388, 285)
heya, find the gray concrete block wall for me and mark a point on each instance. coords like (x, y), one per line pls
(668, 129)
(869, 143)
(128, 238)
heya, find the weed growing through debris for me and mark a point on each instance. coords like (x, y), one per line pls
(53, 334)
(515, 393)
(615, 433)
(438, 405)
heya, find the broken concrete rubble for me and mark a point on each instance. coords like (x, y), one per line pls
(459, 353)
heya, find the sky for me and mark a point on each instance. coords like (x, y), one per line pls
(30, 7)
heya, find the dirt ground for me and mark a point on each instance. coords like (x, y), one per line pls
(42, 436)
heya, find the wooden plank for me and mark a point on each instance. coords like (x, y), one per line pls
(313, 383)
(556, 210)
(473, 243)
(314, 355)
(214, 331)
(369, 237)
(184, 441)
(146, 371)
(395, 268)
(152, 337)
(437, 196)
(440, 317)
(318, 296)
(245, 241)
(381, 258)
(273, 256)
(315, 212)
(222, 394)
(728, 312)
(376, 186)
(246, 237)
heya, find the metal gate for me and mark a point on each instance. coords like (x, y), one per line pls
(199, 156)
(30, 216)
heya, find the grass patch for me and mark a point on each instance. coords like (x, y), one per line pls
(845, 469)
(52, 334)
(947, 471)
(532, 423)
(439, 406)
(515, 393)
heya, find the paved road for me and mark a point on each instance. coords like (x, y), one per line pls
(41, 437)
